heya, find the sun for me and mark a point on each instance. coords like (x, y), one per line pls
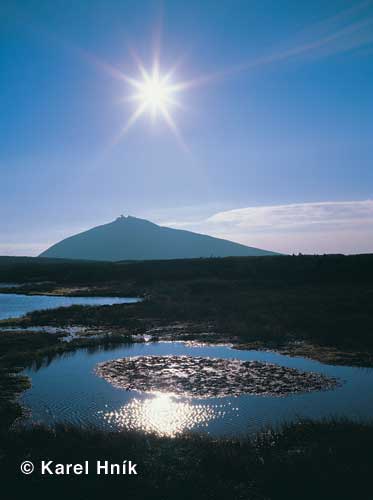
(155, 93)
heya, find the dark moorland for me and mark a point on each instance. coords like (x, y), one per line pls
(325, 300)
(319, 306)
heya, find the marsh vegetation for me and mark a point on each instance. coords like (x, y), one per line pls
(281, 302)
(317, 304)
(326, 460)
(205, 377)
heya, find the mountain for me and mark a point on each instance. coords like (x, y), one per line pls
(130, 238)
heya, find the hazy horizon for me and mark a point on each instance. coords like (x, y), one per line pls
(270, 146)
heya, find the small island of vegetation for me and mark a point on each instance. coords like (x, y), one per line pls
(316, 306)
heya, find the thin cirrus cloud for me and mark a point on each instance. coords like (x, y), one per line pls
(318, 227)
(348, 30)
(298, 215)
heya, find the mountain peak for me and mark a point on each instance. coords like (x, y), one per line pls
(124, 218)
(131, 238)
(121, 218)
(131, 220)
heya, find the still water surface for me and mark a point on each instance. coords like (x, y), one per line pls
(13, 305)
(68, 390)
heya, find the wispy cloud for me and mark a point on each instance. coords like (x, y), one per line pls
(317, 227)
(329, 226)
(319, 215)
(348, 30)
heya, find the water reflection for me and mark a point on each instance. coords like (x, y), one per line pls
(67, 390)
(14, 305)
(109, 345)
(165, 415)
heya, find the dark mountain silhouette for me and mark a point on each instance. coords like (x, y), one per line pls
(130, 238)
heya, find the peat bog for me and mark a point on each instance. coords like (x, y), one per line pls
(318, 304)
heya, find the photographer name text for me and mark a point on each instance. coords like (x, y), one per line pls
(99, 467)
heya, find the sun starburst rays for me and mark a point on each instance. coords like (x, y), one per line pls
(155, 94)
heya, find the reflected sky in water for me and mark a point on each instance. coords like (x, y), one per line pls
(14, 305)
(66, 389)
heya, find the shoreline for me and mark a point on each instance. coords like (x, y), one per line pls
(44, 345)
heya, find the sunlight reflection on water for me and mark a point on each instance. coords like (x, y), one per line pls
(67, 390)
(165, 415)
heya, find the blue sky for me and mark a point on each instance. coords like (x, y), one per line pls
(278, 135)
